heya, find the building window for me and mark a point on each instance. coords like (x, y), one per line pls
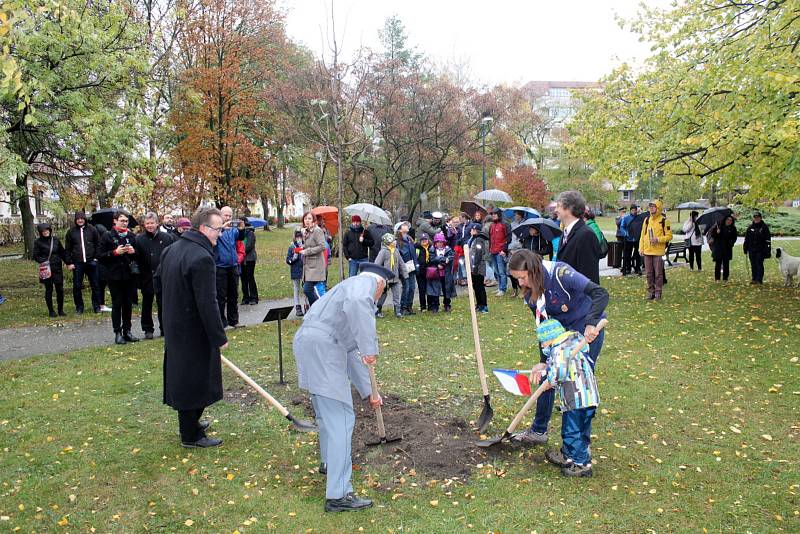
(627, 195)
(38, 197)
(559, 92)
(13, 201)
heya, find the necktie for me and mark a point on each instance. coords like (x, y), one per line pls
(566, 237)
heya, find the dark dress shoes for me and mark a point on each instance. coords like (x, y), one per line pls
(349, 503)
(119, 339)
(323, 468)
(148, 335)
(129, 337)
(202, 443)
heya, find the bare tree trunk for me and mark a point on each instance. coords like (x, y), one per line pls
(27, 215)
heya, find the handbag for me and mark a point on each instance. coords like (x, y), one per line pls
(432, 273)
(45, 272)
(410, 267)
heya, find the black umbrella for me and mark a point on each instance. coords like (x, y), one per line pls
(547, 227)
(712, 216)
(105, 217)
(470, 207)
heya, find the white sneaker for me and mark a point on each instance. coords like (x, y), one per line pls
(105, 308)
(499, 293)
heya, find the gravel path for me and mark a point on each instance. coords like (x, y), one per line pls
(58, 338)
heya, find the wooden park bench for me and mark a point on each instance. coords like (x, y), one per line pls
(677, 249)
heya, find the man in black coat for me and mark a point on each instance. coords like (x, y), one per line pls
(193, 331)
(149, 245)
(81, 245)
(376, 232)
(118, 261)
(357, 244)
(757, 247)
(579, 247)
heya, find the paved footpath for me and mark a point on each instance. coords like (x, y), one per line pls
(58, 338)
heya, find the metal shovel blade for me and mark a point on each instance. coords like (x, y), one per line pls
(486, 443)
(301, 425)
(383, 441)
(486, 415)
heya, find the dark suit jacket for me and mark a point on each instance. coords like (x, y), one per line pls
(582, 251)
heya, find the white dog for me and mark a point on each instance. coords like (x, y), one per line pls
(789, 266)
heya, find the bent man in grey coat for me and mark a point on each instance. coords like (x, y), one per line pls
(332, 348)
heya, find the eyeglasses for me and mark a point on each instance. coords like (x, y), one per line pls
(217, 229)
(122, 221)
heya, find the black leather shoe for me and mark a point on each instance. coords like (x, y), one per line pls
(53, 314)
(148, 335)
(349, 503)
(202, 443)
(119, 339)
(323, 468)
(130, 338)
(203, 425)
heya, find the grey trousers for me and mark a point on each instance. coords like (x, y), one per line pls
(397, 292)
(336, 421)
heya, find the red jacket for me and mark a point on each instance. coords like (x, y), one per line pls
(499, 237)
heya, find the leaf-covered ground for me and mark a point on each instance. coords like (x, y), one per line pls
(698, 429)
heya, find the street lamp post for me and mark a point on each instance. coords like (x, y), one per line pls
(486, 123)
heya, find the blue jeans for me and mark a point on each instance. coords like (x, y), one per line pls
(544, 406)
(354, 266)
(576, 432)
(313, 291)
(409, 286)
(499, 263)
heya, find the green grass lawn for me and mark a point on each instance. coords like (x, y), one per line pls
(25, 305)
(698, 429)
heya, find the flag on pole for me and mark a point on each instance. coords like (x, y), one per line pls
(516, 382)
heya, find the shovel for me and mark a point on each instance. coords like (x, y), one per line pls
(542, 388)
(298, 424)
(487, 413)
(378, 413)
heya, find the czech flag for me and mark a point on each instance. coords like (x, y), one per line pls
(515, 382)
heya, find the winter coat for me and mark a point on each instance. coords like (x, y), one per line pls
(225, 252)
(148, 252)
(757, 240)
(661, 231)
(250, 255)
(537, 244)
(314, 258)
(570, 297)
(41, 251)
(423, 258)
(693, 234)
(353, 248)
(72, 244)
(502, 246)
(444, 285)
(723, 239)
(392, 260)
(193, 331)
(295, 262)
(591, 223)
(633, 226)
(581, 251)
(408, 251)
(112, 266)
(423, 226)
(479, 253)
(376, 232)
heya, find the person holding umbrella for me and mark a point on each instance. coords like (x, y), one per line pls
(757, 247)
(341, 325)
(118, 255)
(356, 243)
(722, 238)
(536, 243)
(695, 242)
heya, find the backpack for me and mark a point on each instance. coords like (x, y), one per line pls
(603, 247)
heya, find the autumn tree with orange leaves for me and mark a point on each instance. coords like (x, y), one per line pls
(230, 51)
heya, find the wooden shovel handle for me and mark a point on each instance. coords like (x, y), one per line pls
(545, 385)
(474, 315)
(261, 391)
(378, 413)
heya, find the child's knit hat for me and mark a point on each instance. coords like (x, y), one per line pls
(439, 237)
(549, 330)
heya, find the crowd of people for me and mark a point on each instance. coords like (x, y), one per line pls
(126, 263)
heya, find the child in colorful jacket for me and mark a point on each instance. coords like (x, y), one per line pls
(295, 262)
(577, 388)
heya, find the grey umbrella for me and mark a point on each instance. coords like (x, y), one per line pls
(493, 195)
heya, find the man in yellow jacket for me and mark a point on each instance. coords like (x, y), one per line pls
(656, 235)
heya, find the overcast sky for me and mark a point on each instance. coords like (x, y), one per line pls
(512, 41)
